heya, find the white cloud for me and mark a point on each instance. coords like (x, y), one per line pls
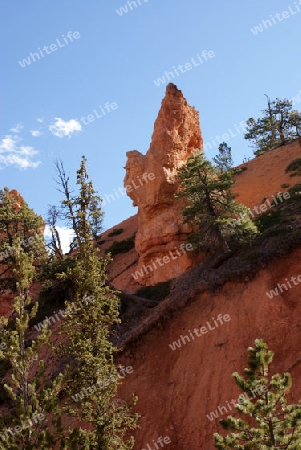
(66, 236)
(40, 119)
(61, 128)
(16, 129)
(14, 154)
(35, 133)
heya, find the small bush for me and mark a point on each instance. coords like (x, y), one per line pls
(268, 219)
(157, 292)
(295, 192)
(293, 204)
(295, 167)
(115, 232)
(122, 246)
(52, 268)
(277, 231)
(285, 185)
(239, 170)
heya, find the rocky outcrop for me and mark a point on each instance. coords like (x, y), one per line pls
(150, 183)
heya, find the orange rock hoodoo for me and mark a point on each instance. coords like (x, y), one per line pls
(150, 183)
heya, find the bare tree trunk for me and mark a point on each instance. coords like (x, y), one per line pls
(64, 183)
(280, 129)
(223, 243)
(271, 120)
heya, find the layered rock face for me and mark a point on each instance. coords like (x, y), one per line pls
(150, 183)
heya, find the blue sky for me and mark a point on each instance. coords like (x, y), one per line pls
(110, 58)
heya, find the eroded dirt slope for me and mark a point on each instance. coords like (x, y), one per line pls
(178, 388)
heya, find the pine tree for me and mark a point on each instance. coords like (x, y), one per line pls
(34, 400)
(66, 213)
(88, 320)
(216, 217)
(277, 126)
(274, 424)
(224, 159)
(17, 219)
(295, 123)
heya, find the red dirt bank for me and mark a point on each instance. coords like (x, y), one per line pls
(177, 389)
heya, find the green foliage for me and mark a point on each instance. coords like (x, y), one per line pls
(122, 246)
(293, 206)
(224, 159)
(99, 424)
(51, 270)
(54, 292)
(272, 423)
(68, 211)
(295, 193)
(268, 219)
(216, 217)
(239, 170)
(295, 123)
(278, 125)
(115, 232)
(52, 299)
(34, 400)
(295, 167)
(282, 218)
(157, 292)
(17, 220)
